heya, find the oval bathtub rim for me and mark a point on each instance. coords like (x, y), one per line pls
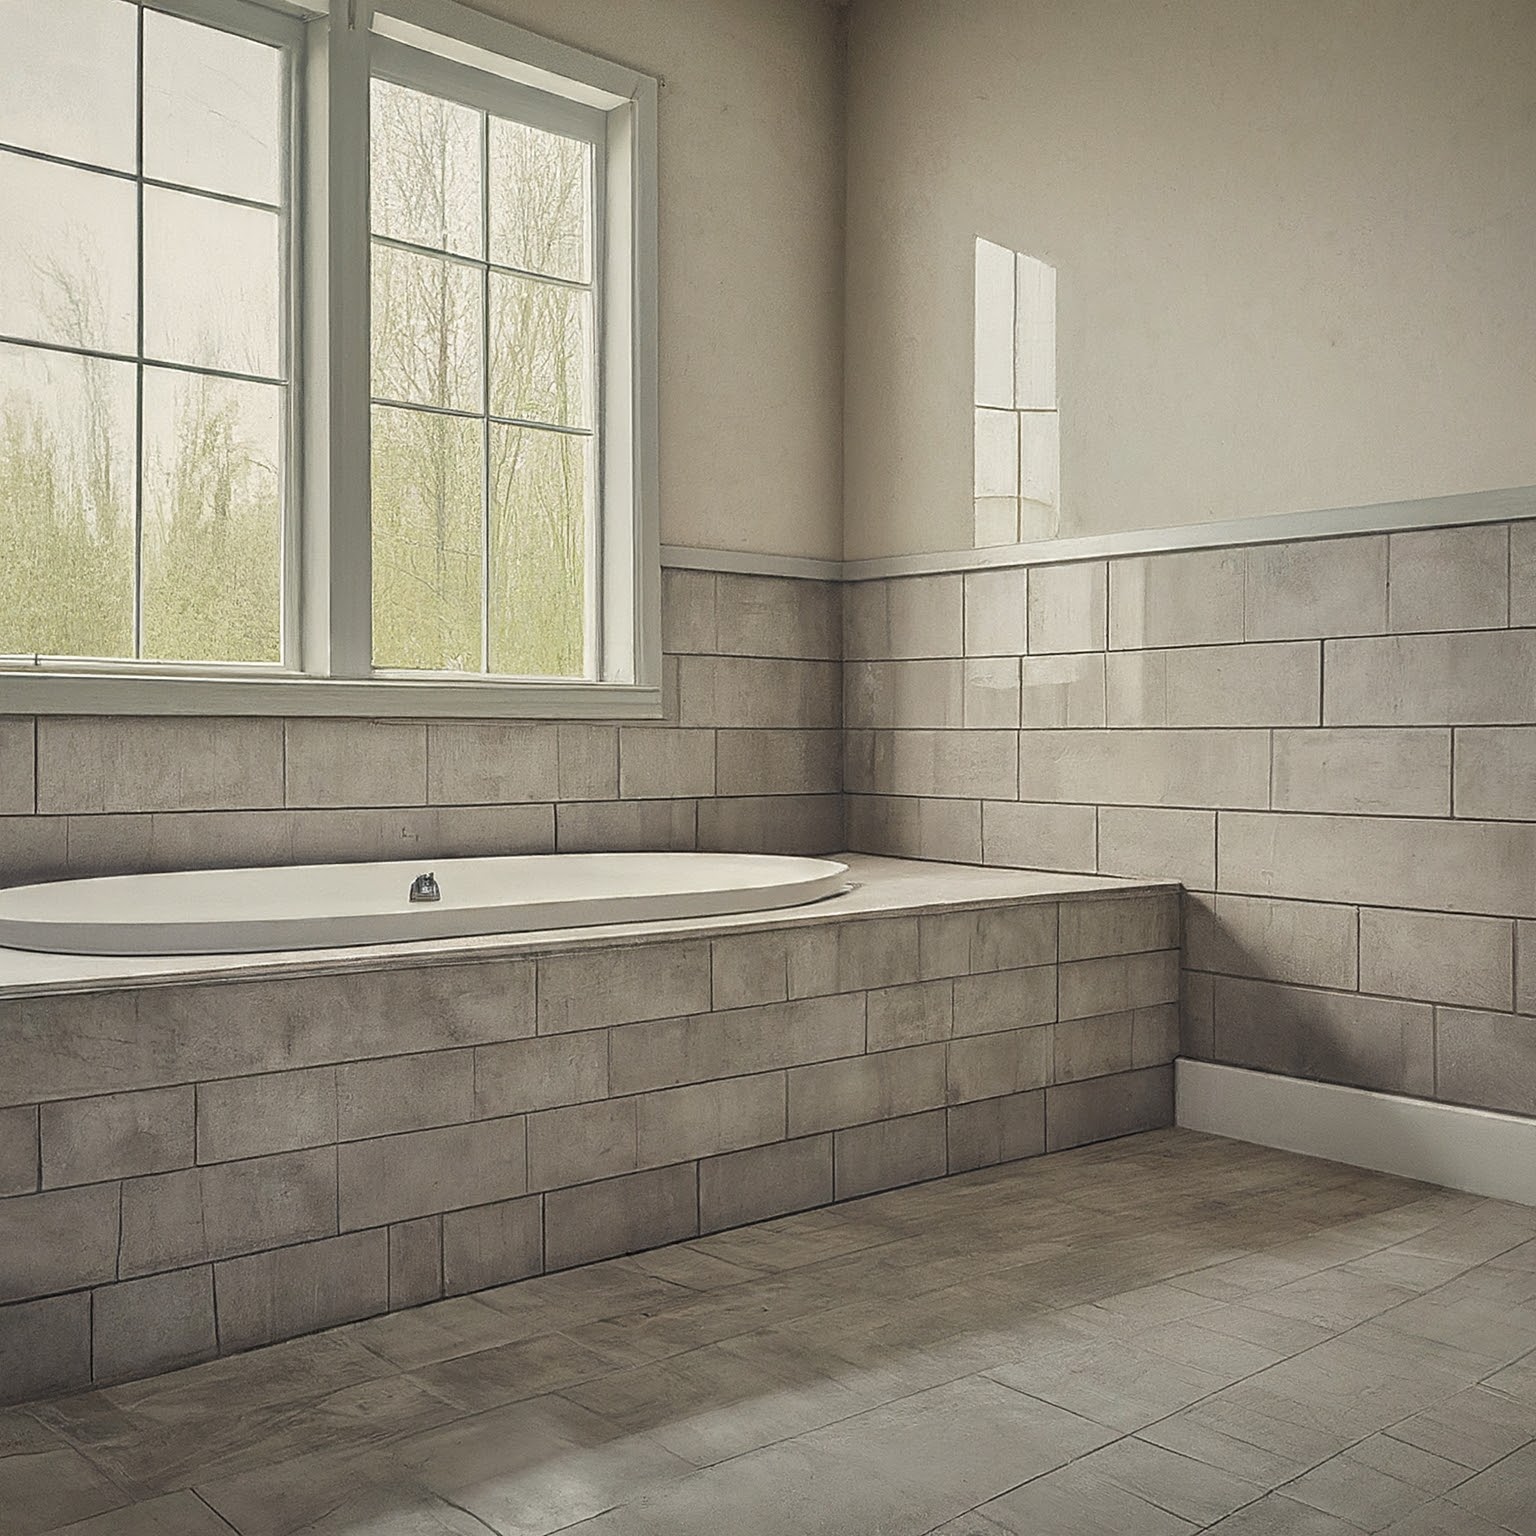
(816, 880)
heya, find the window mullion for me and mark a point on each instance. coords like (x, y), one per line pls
(337, 599)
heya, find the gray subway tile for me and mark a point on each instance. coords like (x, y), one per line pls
(1496, 773)
(1487, 1059)
(1317, 588)
(1197, 1016)
(270, 1296)
(1190, 768)
(627, 826)
(1477, 867)
(779, 616)
(1101, 1108)
(116, 1136)
(405, 1093)
(964, 765)
(18, 760)
(624, 1215)
(749, 692)
(663, 1053)
(688, 613)
(1114, 983)
(993, 1065)
(1438, 957)
(659, 762)
(915, 828)
(830, 1094)
(19, 1158)
(1005, 938)
(1188, 597)
(892, 1153)
(92, 763)
(45, 1347)
(1003, 1000)
(396, 1178)
(1312, 943)
(171, 1220)
(1522, 573)
(790, 824)
(1062, 692)
(60, 1240)
(904, 695)
(492, 762)
(595, 988)
(1525, 968)
(415, 1262)
(542, 1073)
(1026, 835)
(1338, 1037)
(749, 968)
(1475, 678)
(587, 761)
(1118, 925)
(996, 612)
(991, 696)
(581, 1143)
(916, 1014)
(1216, 685)
(1363, 772)
(355, 763)
(271, 1112)
(854, 956)
(1449, 578)
(33, 848)
(1067, 608)
(1000, 1130)
(763, 1182)
(1155, 1034)
(492, 1245)
(1093, 1047)
(779, 762)
(159, 1323)
(706, 1119)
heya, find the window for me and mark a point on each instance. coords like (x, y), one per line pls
(144, 391)
(1017, 425)
(326, 363)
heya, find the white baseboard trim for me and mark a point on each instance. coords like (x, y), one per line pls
(1478, 1150)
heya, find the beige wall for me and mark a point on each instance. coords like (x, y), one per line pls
(751, 174)
(1294, 245)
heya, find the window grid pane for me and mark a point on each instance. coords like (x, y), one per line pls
(168, 487)
(533, 417)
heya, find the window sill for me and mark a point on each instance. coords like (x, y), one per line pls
(124, 693)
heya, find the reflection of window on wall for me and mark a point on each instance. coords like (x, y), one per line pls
(1017, 483)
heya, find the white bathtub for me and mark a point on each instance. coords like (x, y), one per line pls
(324, 906)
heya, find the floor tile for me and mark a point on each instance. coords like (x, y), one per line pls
(1161, 1334)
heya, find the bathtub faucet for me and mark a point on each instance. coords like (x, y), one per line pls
(424, 888)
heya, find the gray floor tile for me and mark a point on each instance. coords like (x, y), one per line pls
(1162, 1334)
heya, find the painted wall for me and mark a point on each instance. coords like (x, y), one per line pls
(1293, 242)
(751, 194)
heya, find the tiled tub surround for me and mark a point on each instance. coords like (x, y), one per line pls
(193, 1169)
(1330, 743)
(747, 759)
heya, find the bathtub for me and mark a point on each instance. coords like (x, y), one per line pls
(325, 906)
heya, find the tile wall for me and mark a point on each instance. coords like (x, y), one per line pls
(748, 757)
(1330, 743)
(191, 1170)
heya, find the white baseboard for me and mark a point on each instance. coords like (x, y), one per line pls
(1478, 1150)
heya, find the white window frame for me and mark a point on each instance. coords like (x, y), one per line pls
(328, 599)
